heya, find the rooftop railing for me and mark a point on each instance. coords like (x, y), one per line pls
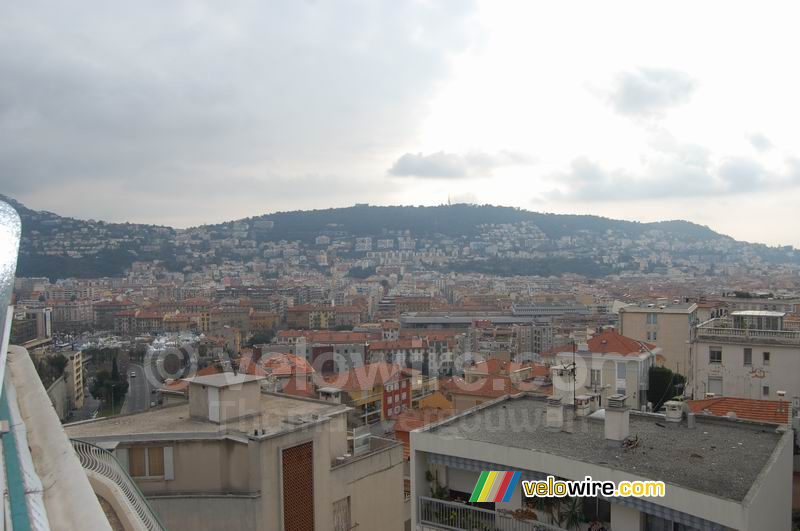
(722, 328)
(103, 463)
(442, 514)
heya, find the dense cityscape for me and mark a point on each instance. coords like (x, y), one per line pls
(399, 265)
(383, 335)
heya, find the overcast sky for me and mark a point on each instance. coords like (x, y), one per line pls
(188, 112)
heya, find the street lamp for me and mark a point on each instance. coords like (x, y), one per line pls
(112, 398)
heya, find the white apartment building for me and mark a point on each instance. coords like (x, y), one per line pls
(667, 324)
(607, 364)
(748, 354)
(710, 483)
(237, 457)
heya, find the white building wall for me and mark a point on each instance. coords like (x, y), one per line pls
(740, 380)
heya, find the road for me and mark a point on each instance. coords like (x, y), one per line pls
(139, 397)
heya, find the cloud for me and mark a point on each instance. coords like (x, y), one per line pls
(663, 176)
(760, 142)
(444, 165)
(650, 91)
(150, 95)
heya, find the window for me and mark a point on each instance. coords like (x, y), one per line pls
(149, 461)
(404, 395)
(389, 399)
(765, 390)
(766, 358)
(652, 318)
(748, 356)
(715, 355)
(594, 378)
(652, 336)
(341, 515)
(155, 462)
(621, 370)
(715, 385)
(136, 462)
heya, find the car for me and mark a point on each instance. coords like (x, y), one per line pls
(133, 374)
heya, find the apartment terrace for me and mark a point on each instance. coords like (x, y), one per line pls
(722, 329)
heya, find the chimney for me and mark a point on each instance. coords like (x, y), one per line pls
(582, 405)
(617, 418)
(555, 414)
(674, 410)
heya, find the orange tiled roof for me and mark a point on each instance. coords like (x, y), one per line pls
(609, 341)
(745, 408)
(366, 377)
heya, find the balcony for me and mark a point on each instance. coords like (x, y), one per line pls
(437, 514)
(365, 446)
(112, 483)
(722, 330)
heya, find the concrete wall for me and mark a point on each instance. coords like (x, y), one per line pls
(202, 467)
(672, 335)
(625, 518)
(205, 513)
(375, 486)
(57, 392)
(744, 381)
(767, 502)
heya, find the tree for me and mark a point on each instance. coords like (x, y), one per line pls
(571, 513)
(57, 363)
(260, 337)
(664, 385)
(104, 387)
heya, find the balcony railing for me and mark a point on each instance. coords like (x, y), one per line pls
(103, 463)
(722, 329)
(441, 514)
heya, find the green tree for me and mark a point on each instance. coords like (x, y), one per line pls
(664, 385)
(260, 337)
(57, 363)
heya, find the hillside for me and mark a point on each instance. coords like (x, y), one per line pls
(486, 239)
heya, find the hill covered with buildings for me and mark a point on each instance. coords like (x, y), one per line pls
(464, 238)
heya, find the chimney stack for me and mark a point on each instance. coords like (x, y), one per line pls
(617, 418)
(555, 414)
(674, 411)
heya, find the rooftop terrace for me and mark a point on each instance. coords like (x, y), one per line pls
(719, 456)
(278, 414)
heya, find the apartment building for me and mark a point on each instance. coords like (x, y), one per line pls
(607, 364)
(234, 456)
(710, 483)
(73, 376)
(666, 324)
(748, 354)
(378, 391)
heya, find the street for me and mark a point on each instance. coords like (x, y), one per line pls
(138, 398)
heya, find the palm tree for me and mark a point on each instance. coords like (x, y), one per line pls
(571, 513)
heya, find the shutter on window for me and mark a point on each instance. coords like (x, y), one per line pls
(169, 469)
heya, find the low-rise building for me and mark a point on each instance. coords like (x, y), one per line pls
(234, 456)
(709, 482)
(748, 354)
(666, 324)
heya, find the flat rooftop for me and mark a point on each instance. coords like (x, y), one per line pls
(661, 307)
(278, 414)
(718, 456)
(224, 379)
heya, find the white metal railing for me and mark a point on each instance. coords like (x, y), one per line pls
(102, 462)
(723, 327)
(442, 514)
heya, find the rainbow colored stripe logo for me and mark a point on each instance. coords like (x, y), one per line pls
(495, 486)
